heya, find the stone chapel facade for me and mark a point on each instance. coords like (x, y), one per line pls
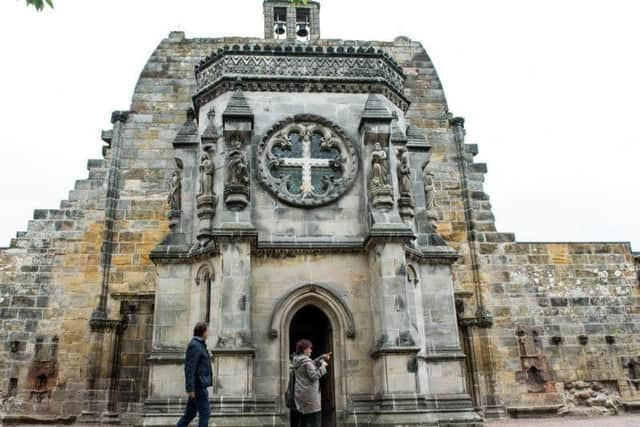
(293, 187)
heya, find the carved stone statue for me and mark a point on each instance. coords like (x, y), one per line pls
(379, 167)
(404, 173)
(207, 170)
(175, 195)
(236, 189)
(237, 167)
(175, 191)
(427, 177)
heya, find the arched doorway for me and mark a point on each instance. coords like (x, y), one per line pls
(312, 323)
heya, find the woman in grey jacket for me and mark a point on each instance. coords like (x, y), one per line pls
(307, 388)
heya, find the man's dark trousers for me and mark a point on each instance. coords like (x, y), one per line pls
(311, 420)
(199, 405)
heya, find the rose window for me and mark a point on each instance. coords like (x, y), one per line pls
(307, 161)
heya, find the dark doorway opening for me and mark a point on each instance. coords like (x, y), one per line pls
(311, 323)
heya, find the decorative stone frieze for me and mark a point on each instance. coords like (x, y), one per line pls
(331, 69)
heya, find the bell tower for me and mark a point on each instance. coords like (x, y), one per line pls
(284, 20)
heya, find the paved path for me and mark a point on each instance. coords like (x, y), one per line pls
(620, 421)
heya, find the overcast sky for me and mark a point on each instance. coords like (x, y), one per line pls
(550, 91)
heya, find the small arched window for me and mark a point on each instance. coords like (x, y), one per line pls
(204, 280)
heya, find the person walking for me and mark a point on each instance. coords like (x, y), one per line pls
(308, 372)
(198, 376)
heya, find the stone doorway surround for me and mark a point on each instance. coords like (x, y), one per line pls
(341, 321)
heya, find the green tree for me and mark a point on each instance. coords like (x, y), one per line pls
(299, 1)
(40, 4)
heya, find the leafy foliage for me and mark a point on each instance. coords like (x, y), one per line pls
(40, 4)
(299, 1)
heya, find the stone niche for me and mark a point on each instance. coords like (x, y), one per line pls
(535, 372)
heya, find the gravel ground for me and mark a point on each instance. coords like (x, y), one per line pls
(619, 421)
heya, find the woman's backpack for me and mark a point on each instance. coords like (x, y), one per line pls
(289, 394)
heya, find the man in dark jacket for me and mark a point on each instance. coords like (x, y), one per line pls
(198, 376)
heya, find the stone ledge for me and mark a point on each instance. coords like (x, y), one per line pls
(16, 419)
(433, 255)
(245, 351)
(442, 356)
(533, 411)
(377, 353)
(632, 406)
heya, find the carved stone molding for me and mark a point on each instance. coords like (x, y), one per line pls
(318, 292)
(307, 161)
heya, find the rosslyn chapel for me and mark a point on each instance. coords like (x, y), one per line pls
(292, 187)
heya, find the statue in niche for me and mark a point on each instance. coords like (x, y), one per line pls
(237, 167)
(404, 173)
(379, 167)
(207, 170)
(175, 188)
(427, 177)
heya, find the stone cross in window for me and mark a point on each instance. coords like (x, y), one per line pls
(307, 160)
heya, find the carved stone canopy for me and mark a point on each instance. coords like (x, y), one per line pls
(307, 161)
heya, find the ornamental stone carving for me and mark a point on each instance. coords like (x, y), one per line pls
(307, 161)
(318, 69)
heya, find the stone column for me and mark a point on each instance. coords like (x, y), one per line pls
(233, 351)
(103, 328)
(493, 403)
(175, 309)
(395, 349)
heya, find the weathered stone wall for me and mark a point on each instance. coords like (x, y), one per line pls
(584, 297)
